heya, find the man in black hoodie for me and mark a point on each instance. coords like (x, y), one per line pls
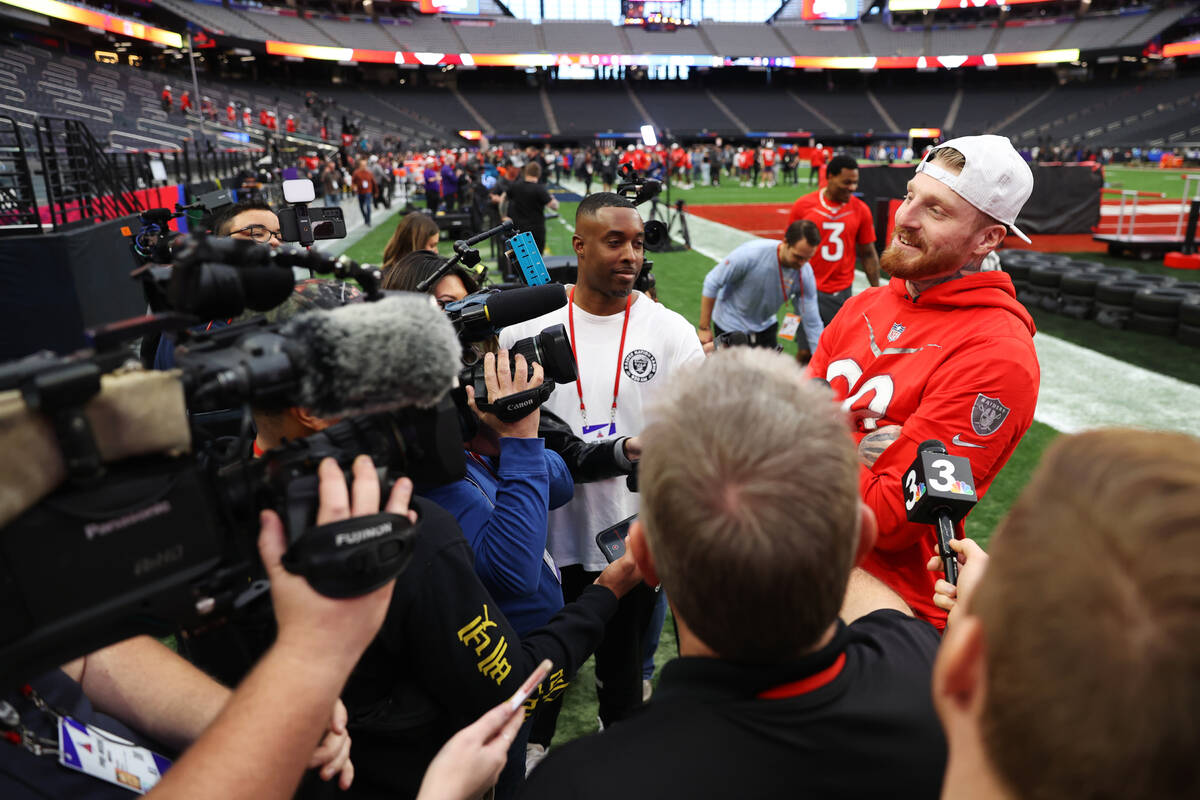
(798, 676)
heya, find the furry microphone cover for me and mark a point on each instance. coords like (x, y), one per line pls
(366, 357)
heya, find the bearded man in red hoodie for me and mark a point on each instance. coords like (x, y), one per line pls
(944, 351)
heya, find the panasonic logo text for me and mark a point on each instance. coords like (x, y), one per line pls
(356, 537)
(94, 529)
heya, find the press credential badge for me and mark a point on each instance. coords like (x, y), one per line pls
(107, 757)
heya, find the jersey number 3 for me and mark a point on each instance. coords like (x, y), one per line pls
(834, 248)
(872, 399)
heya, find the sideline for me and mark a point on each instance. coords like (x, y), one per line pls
(1081, 389)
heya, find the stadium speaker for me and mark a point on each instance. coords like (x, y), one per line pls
(54, 285)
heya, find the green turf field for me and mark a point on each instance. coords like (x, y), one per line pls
(1147, 179)
(680, 276)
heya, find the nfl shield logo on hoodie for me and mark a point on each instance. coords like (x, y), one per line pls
(895, 332)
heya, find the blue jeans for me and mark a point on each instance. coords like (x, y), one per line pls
(657, 619)
(331, 200)
(364, 204)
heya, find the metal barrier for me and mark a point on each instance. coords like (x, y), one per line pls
(18, 203)
(82, 182)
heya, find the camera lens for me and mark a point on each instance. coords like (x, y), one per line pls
(656, 236)
(552, 349)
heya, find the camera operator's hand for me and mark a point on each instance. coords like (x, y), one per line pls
(621, 576)
(333, 753)
(633, 448)
(501, 382)
(310, 624)
(292, 688)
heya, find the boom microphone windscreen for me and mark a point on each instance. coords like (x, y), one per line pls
(517, 305)
(397, 352)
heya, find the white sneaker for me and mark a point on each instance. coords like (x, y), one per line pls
(647, 690)
(534, 753)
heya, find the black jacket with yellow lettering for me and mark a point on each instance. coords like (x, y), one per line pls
(445, 655)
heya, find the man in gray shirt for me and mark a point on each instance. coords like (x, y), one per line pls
(745, 290)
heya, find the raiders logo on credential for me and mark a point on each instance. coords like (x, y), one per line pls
(640, 365)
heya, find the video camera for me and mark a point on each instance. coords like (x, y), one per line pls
(122, 518)
(479, 317)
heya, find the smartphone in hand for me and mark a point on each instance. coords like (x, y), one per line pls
(532, 682)
(611, 541)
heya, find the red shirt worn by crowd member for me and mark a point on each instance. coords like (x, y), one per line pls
(842, 228)
(956, 364)
(768, 157)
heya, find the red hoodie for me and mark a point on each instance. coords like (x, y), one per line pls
(956, 364)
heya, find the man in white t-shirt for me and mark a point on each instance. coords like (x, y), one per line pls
(627, 347)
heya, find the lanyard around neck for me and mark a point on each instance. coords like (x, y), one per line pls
(579, 374)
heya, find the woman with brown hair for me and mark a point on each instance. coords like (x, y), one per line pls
(406, 273)
(416, 231)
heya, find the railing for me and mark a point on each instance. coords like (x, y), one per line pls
(18, 203)
(82, 182)
(192, 163)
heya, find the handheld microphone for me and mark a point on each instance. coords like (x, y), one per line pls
(361, 358)
(939, 490)
(482, 314)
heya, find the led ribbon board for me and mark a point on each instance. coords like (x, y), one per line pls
(95, 19)
(623, 60)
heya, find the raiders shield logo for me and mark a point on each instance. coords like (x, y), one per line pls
(895, 332)
(640, 365)
(987, 415)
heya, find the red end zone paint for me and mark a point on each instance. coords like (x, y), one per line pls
(761, 219)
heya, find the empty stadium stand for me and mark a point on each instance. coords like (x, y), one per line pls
(786, 36)
(511, 111)
(805, 40)
(583, 37)
(683, 112)
(983, 109)
(585, 108)
(766, 110)
(914, 108)
(745, 39)
(499, 36)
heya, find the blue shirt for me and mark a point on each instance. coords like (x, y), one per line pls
(503, 508)
(746, 287)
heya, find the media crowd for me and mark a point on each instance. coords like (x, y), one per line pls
(823, 650)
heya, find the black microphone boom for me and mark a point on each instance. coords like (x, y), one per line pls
(465, 253)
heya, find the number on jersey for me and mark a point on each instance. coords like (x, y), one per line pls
(870, 402)
(834, 248)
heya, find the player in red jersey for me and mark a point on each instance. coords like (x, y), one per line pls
(944, 351)
(815, 161)
(768, 164)
(847, 235)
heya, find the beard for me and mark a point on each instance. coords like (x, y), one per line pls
(919, 264)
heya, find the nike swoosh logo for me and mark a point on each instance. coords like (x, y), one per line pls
(593, 428)
(960, 443)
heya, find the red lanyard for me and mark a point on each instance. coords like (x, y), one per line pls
(806, 685)
(612, 421)
(779, 263)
